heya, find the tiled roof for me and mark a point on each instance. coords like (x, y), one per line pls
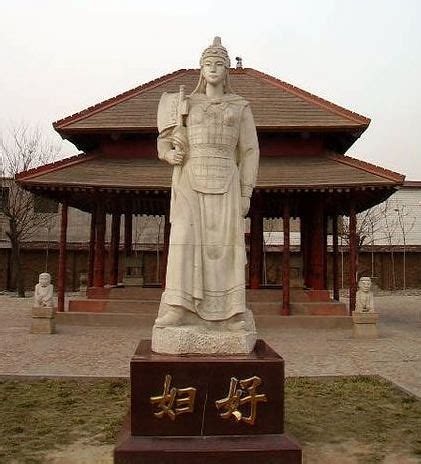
(275, 104)
(274, 172)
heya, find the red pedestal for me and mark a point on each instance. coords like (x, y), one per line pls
(207, 409)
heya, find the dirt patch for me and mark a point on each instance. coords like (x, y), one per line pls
(81, 453)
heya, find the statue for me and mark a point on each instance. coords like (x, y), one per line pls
(365, 300)
(43, 296)
(210, 139)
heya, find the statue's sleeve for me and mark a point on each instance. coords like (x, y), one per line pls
(372, 308)
(164, 144)
(248, 153)
(50, 292)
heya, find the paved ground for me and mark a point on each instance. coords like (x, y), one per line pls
(93, 351)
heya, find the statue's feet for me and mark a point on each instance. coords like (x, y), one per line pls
(236, 323)
(241, 322)
(173, 317)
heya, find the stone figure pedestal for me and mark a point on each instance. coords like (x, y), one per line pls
(365, 324)
(43, 320)
(207, 409)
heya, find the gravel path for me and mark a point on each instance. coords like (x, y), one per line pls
(94, 351)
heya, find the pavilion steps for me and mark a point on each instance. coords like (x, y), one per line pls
(145, 321)
(143, 301)
(154, 293)
(125, 293)
(316, 308)
(148, 306)
(151, 306)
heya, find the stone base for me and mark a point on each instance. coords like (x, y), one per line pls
(202, 434)
(365, 325)
(256, 449)
(43, 311)
(199, 340)
(43, 325)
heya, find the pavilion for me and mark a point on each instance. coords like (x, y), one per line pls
(303, 174)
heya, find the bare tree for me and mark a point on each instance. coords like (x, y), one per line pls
(406, 223)
(378, 223)
(369, 224)
(390, 227)
(23, 147)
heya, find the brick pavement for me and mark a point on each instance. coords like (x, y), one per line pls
(97, 351)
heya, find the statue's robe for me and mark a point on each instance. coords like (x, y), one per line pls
(206, 259)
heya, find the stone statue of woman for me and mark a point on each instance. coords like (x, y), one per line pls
(210, 138)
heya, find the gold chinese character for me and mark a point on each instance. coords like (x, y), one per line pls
(237, 397)
(174, 397)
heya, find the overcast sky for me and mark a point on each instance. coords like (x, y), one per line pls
(58, 57)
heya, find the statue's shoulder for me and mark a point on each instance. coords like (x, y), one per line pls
(167, 111)
(235, 99)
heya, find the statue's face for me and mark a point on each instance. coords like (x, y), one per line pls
(44, 279)
(365, 285)
(213, 70)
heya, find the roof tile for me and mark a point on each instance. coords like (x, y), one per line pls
(275, 104)
(274, 172)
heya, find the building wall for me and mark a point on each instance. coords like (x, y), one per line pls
(400, 219)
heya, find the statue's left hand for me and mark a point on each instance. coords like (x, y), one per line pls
(245, 205)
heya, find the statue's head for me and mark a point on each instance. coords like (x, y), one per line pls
(44, 279)
(364, 284)
(214, 66)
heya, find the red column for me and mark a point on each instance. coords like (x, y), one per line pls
(256, 248)
(91, 258)
(164, 260)
(303, 247)
(285, 262)
(99, 264)
(114, 248)
(316, 248)
(61, 280)
(352, 257)
(335, 249)
(325, 224)
(128, 228)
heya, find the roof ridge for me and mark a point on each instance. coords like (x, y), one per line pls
(369, 167)
(116, 99)
(310, 96)
(55, 165)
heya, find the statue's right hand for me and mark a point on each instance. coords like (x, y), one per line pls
(173, 157)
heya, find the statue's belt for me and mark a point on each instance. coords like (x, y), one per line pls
(210, 174)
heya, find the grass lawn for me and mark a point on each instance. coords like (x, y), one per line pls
(345, 420)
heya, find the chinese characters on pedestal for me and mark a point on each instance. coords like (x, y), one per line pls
(175, 401)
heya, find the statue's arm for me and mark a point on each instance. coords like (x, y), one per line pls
(164, 144)
(371, 302)
(248, 151)
(49, 293)
(166, 151)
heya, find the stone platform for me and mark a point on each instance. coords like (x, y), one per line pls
(261, 449)
(365, 324)
(207, 409)
(190, 339)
